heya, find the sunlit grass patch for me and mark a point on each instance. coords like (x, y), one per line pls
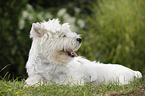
(15, 88)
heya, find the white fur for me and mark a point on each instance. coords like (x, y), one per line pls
(47, 62)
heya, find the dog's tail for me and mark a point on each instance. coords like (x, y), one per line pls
(138, 74)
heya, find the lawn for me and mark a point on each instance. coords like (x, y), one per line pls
(16, 88)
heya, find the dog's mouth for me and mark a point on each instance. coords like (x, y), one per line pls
(70, 53)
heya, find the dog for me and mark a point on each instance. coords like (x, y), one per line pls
(52, 59)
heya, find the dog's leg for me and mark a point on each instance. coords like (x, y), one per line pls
(35, 80)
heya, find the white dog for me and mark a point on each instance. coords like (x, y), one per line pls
(52, 59)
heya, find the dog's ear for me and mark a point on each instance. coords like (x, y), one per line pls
(36, 30)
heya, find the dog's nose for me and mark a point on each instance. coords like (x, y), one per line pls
(79, 40)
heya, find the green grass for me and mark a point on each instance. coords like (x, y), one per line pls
(16, 88)
(115, 33)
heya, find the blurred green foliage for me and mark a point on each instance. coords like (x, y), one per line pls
(116, 33)
(112, 31)
(12, 41)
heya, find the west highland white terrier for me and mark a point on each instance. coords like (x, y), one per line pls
(52, 59)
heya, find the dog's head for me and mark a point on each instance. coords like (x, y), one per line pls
(55, 41)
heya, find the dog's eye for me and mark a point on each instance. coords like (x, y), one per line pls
(64, 36)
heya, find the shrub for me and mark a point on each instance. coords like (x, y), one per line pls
(115, 33)
(12, 52)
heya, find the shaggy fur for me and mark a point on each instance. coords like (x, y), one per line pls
(52, 59)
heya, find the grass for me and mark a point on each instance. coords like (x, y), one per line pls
(115, 33)
(16, 88)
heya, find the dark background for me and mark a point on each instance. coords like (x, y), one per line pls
(112, 31)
